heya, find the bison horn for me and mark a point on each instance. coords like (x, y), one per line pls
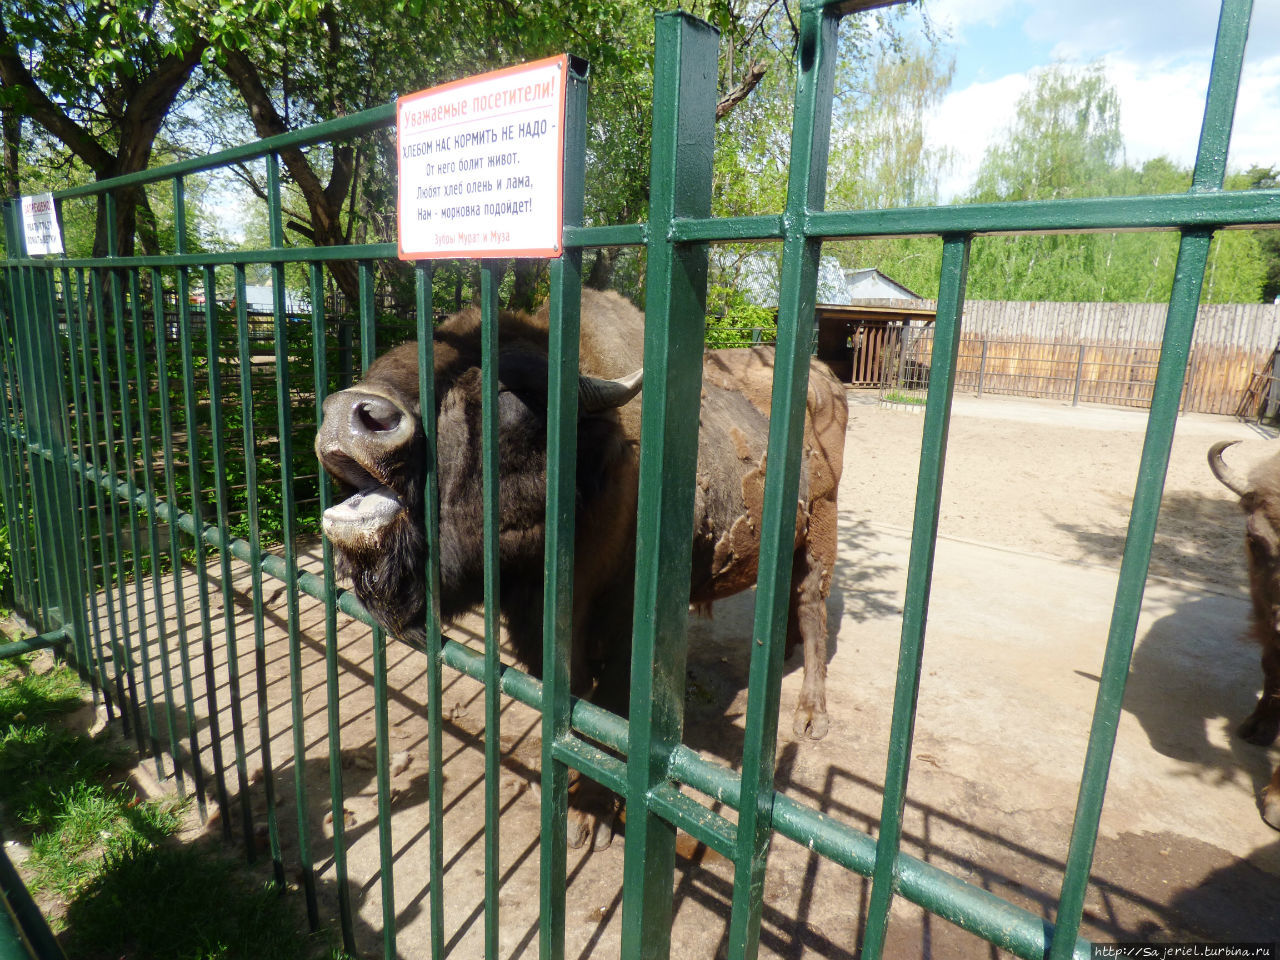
(1229, 477)
(595, 394)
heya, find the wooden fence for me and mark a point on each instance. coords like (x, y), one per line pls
(1107, 353)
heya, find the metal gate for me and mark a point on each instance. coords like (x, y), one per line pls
(100, 503)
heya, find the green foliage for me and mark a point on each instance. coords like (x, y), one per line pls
(733, 321)
(172, 902)
(109, 855)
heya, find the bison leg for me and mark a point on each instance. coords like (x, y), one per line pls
(1263, 724)
(807, 626)
(1271, 801)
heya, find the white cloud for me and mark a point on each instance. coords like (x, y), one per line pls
(954, 16)
(967, 121)
(1161, 108)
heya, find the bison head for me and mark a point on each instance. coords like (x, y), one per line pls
(373, 445)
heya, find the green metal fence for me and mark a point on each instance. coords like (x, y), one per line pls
(120, 502)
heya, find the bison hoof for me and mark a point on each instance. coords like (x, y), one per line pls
(594, 829)
(1271, 808)
(810, 723)
(1259, 728)
(593, 812)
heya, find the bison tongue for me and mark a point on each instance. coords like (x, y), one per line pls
(362, 512)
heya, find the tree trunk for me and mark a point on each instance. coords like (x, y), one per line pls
(12, 126)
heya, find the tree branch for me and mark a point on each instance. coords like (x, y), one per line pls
(755, 73)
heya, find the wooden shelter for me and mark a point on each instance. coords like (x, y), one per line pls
(856, 339)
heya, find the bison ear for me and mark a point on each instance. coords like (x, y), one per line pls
(1261, 536)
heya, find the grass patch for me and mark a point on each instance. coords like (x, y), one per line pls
(105, 863)
(897, 396)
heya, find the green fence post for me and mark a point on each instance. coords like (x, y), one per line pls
(806, 190)
(924, 536)
(684, 101)
(562, 443)
(431, 524)
(1193, 255)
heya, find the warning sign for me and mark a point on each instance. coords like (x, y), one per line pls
(481, 165)
(40, 225)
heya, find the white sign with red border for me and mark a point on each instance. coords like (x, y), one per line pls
(481, 165)
(40, 225)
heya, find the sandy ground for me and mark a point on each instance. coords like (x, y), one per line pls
(1033, 521)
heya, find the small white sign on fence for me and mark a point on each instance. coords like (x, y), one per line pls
(481, 163)
(40, 225)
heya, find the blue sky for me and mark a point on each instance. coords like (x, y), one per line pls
(1156, 54)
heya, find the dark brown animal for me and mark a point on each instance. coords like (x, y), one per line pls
(1259, 494)
(372, 443)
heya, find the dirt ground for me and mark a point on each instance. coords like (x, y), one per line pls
(1033, 522)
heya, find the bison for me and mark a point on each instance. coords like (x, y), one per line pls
(371, 442)
(1259, 494)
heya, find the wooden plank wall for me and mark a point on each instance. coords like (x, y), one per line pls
(1112, 349)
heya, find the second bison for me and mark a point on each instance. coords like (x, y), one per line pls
(1259, 494)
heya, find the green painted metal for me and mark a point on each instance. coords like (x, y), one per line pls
(171, 497)
(1193, 254)
(806, 189)
(249, 434)
(557, 605)
(684, 98)
(24, 933)
(332, 696)
(69, 462)
(382, 749)
(489, 460)
(46, 641)
(289, 534)
(217, 445)
(435, 685)
(924, 534)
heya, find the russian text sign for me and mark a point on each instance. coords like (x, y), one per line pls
(40, 225)
(481, 164)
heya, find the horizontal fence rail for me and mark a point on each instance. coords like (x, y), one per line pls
(158, 482)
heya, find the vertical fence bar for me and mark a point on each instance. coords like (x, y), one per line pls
(492, 597)
(133, 314)
(217, 443)
(684, 101)
(320, 366)
(194, 462)
(557, 606)
(982, 365)
(16, 499)
(34, 416)
(1193, 254)
(806, 191)
(113, 567)
(924, 534)
(255, 571)
(289, 533)
(431, 524)
(153, 535)
(73, 298)
(64, 519)
(381, 723)
(74, 488)
(171, 494)
(120, 640)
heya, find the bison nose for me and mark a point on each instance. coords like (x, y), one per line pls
(375, 415)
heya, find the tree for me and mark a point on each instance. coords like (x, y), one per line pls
(100, 79)
(1267, 178)
(1065, 142)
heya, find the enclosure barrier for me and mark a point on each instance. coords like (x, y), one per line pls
(106, 520)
